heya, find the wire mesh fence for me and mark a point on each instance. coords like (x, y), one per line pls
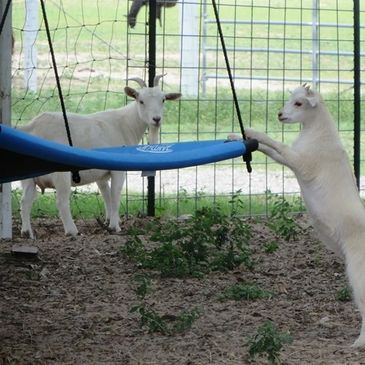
(273, 46)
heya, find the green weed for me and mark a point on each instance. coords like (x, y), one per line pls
(208, 241)
(244, 292)
(268, 342)
(150, 318)
(271, 247)
(142, 285)
(344, 294)
(281, 221)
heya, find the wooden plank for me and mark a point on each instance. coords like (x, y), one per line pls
(24, 250)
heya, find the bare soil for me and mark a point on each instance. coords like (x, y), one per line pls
(71, 304)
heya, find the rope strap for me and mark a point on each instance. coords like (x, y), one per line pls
(248, 156)
(75, 174)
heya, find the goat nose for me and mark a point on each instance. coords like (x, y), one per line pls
(280, 114)
(157, 120)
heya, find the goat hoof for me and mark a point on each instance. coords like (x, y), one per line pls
(27, 234)
(233, 137)
(72, 233)
(114, 229)
(359, 343)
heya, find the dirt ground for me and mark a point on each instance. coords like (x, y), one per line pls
(71, 304)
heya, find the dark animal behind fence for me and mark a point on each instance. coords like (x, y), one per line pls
(137, 5)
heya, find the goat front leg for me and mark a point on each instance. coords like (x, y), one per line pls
(116, 186)
(278, 151)
(62, 184)
(29, 194)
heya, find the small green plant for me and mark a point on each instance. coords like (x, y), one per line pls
(171, 261)
(134, 248)
(280, 220)
(142, 285)
(268, 341)
(165, 324)
(271, 247)
(344, 294)
(185, 320)
(150, 318)
(244, 292)
(207, 241)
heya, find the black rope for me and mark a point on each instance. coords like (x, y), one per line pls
(3, 19)
(248, 156)
(75, 173)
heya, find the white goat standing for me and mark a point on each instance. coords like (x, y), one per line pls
(116, 127)
(321, 165)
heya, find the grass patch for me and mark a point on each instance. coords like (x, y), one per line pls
(88, 205)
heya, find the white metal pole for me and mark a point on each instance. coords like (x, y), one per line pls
(5, 114)
(315, 43)
(31, 27)
(189, 14)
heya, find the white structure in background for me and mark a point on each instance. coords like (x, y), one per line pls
(31, 27)
(189, 52)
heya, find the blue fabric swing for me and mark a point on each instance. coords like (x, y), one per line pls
(23, 155)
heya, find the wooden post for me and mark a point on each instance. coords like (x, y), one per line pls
(5, 111)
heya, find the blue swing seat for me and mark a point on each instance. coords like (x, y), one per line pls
(23, 155)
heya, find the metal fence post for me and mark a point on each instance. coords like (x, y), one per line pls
(357, 92)
(151, 76)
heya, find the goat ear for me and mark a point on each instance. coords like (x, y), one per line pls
(172, 96)
(131, 92)
(313, 101)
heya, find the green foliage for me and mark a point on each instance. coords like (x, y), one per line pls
(143, 285)
(244, 292)
(268, 341)
(280, 220)
(149, 317)
(185, 320)
(134, 248)
(208, 241)
(167, 324)
(271, 247)
(344, 294)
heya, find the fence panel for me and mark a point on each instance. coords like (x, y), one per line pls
(273, 46)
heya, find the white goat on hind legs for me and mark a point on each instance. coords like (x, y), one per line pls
(320, 163)
(117, 127)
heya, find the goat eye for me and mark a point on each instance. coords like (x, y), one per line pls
(298, 103)
(141, 102)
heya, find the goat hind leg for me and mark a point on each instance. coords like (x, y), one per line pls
(104, 188)
(62, 184)
(356, 273)
(29, 193)
(116, 186)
